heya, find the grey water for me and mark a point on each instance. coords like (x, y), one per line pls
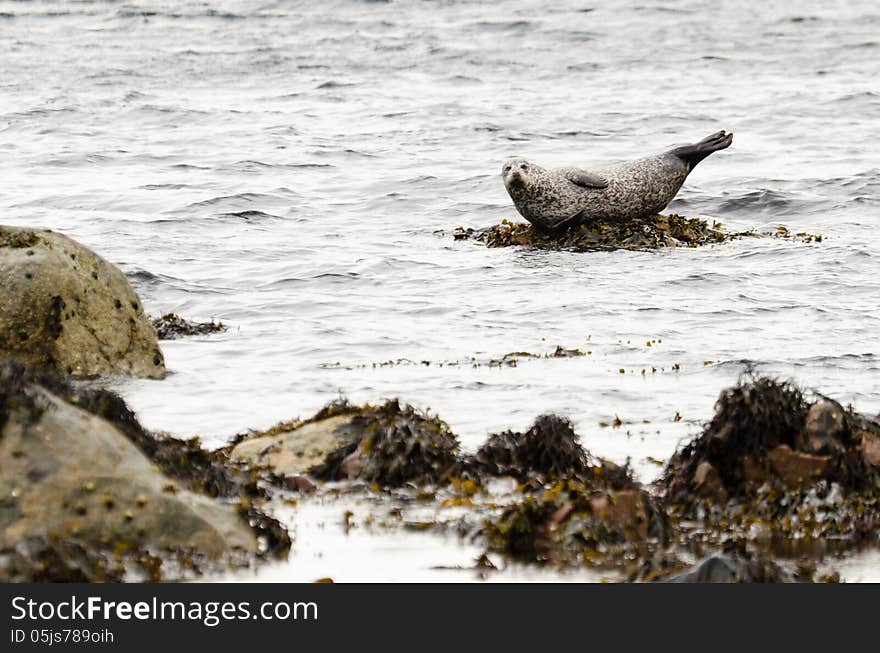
(296, 170)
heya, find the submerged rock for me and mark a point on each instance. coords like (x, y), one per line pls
(656, 232)
(732, 567)
(67, 308)
(75, 485)
(171, 326)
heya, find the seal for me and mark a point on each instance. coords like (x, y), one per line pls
(566, 197)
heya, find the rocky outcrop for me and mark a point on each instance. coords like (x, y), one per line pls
(67, 308)
(71, 480)
(772, 466)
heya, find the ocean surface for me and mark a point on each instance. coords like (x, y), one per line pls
(296, 170)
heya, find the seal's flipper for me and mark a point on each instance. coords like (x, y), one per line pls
(586, 179)
(558, 227)
(693, 154)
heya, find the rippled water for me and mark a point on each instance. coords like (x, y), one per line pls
(295, 170)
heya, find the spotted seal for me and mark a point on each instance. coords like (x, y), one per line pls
(565, 197)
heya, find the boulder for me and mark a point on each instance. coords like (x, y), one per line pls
(707, 481)
(870, 446)
(288, 452)
(69, 475)
(795, 468)
(67, 308)
(732, 567)
(825, 427)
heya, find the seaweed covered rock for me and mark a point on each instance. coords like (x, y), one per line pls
(67, 308)
(655, 232)
(764, 430)
(549, 447)
(292, 448)
(548, 450)
(651, 233)
(575, 509)
(571, 522)
(171, 326)
(389, 445)
(75, 485)
(770, 465)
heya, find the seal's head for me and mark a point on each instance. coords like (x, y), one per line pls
(518, 175)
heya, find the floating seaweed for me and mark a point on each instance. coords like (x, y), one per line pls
(171, 326)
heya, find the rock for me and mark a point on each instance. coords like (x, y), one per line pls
(707, 482)
(732, 567)
(67, 308)
(870, 446)
(573, 523)
(627, 510)
(825, 427)
(795, 468)
(293, 452)
(68, 475)
(754, 473)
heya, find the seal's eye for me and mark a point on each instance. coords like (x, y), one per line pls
(506, 169)
(524, 166)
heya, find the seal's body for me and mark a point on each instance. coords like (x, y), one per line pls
(565, 197)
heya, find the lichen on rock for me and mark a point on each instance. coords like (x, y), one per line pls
(67, 308)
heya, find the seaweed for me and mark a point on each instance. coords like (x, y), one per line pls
(549, 448)
(171, 326)
(572, 523)
(18, 239)
(754, 416)
(16, 380)
(650, 233)
(655, 232)
(772, 468)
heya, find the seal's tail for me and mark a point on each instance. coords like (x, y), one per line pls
(693, 154)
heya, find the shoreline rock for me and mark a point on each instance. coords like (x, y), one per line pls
(75, 485)
(777, 471)
(66, 308)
